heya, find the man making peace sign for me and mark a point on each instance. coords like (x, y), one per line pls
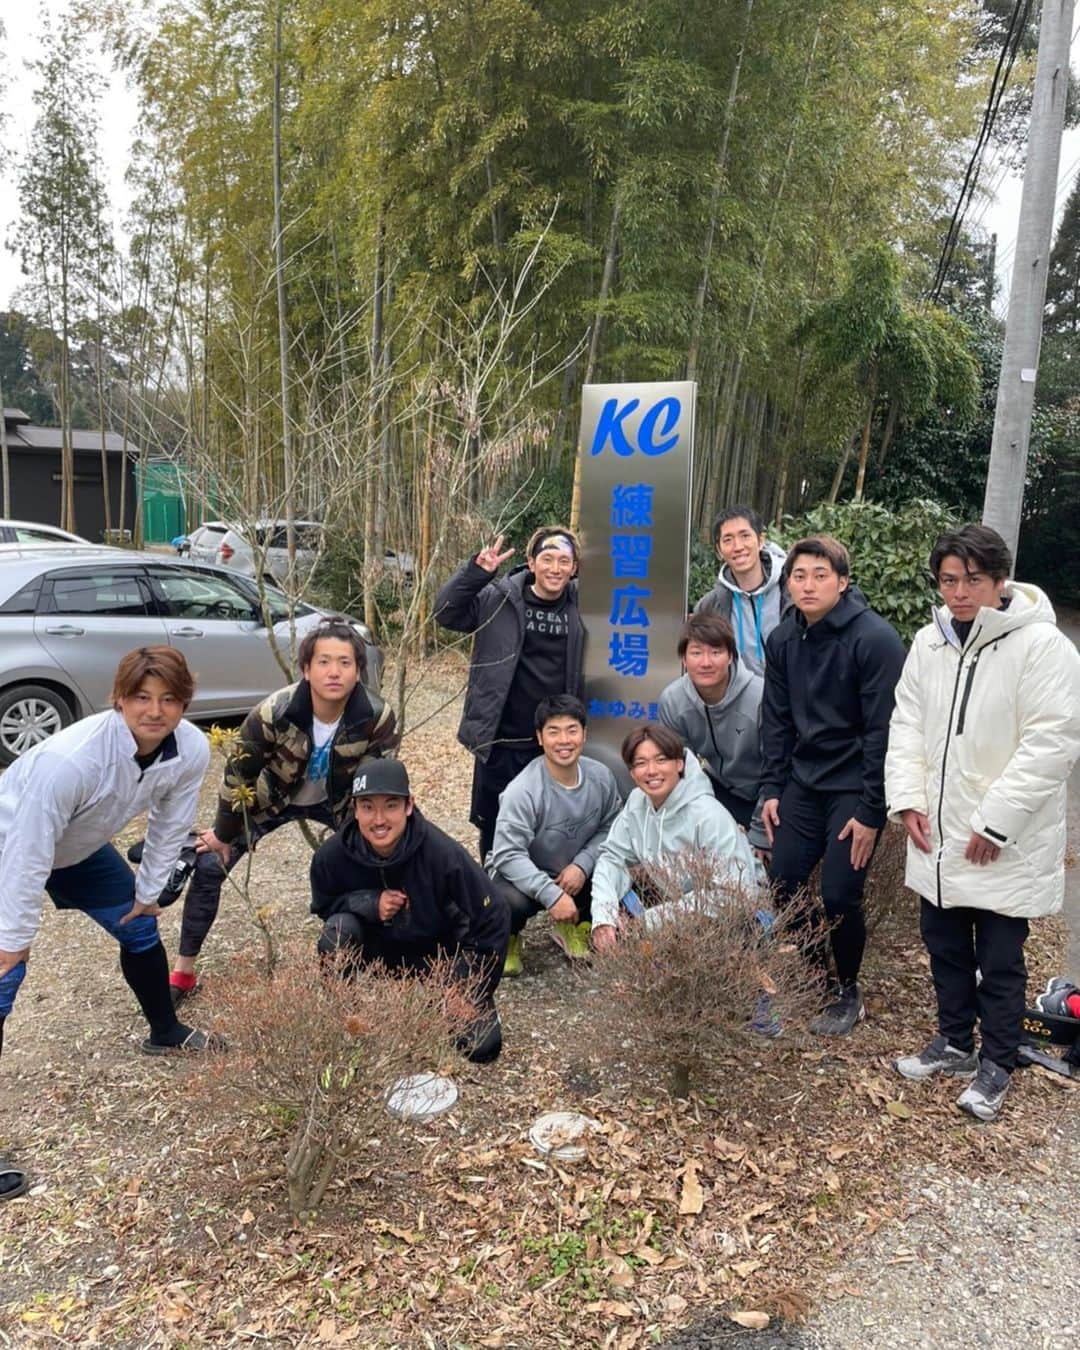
(529, 645)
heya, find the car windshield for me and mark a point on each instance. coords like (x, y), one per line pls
(277, 602)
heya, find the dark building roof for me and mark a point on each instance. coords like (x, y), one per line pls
(22, 434)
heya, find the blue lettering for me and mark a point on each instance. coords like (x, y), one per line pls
(628, 653)
(630, 554)
(597, 707)
(647, 444)
(609, 425)
(631, 506)
(626, 607)
(661, 418)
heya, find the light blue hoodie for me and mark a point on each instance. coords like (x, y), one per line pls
(691, 818)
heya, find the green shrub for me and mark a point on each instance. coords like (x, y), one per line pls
(890, 552)
(704, 566)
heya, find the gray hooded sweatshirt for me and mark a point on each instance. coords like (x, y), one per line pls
(691, 818)
(543, 827)
(723, 735)
(752, 614)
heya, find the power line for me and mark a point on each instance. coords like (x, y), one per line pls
(1006, 57)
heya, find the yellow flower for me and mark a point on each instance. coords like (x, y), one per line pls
(223, 739)
(264, 914)
(242, 795)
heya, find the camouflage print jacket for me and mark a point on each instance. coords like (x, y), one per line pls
(272, 753)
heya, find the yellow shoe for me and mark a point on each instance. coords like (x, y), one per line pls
(572, 939)
(512, 965)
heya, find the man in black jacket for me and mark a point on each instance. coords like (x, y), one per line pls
(529, 646)
(394, 888)
(830, 671)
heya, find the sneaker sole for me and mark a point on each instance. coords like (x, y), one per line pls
(944, 1071)
(974, 1115)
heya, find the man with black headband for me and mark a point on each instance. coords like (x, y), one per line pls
(529, 645)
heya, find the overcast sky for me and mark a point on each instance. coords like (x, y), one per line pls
(118, 110)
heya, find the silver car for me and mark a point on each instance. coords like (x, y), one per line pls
(69, 613)
(266, 552)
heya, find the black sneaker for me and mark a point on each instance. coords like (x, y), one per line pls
(939, 1057)
(982, 1098)
(840, 1016)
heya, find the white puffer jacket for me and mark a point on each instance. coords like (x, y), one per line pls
(983, 737)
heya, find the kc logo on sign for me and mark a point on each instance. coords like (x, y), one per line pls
(654, 432)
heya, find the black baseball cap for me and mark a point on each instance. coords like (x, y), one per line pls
(381, 778)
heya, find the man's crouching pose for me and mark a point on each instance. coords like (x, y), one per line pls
(394, 888)
(63, 801)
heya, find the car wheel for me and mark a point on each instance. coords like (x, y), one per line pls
(30, 714)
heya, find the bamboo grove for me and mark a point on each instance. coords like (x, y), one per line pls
(377, 248)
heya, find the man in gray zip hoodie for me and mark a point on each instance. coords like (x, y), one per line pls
(751, 590)
(553, 817)
(715, 707)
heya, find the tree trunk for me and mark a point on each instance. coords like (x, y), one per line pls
(288, 460)
(371, 559)
(759, 279)
(101, 418)
(594, 343)
(714, 205)
(5, 468)
(864, 446)
(892, 421)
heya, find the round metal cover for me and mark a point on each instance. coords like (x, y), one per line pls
(557, 1133)
(421, 1096)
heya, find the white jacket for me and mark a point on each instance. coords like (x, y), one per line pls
(983, 738)
(68, 796)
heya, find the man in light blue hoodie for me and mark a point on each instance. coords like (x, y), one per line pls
(715, 707)
(671, 810)
(750, 591)
(552, 819)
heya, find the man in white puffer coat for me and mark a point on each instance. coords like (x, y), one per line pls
(984, 734)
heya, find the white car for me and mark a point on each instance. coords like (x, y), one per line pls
(32, 532)
(265, 553)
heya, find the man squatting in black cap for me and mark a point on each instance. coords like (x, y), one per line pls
(394, 888)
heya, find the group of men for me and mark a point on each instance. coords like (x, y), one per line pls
(798, 727)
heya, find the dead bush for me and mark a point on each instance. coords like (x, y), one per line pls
(319, 1043)
(686, 981)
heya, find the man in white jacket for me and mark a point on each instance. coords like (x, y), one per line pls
(62, 802)
(983, 737)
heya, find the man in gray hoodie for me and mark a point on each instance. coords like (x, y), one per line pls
(715, 707)
(552, 819)
(751, 590)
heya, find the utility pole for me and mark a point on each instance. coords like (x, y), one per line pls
(1027, 294)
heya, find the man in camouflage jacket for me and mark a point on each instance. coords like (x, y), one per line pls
(294, 759)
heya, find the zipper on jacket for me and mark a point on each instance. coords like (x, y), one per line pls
(944, 763)
(967, 691)
(712, 737)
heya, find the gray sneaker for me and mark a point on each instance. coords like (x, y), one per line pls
(838, 1018)
(938, 1057)
(983, 1097)
(1054, 1001)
